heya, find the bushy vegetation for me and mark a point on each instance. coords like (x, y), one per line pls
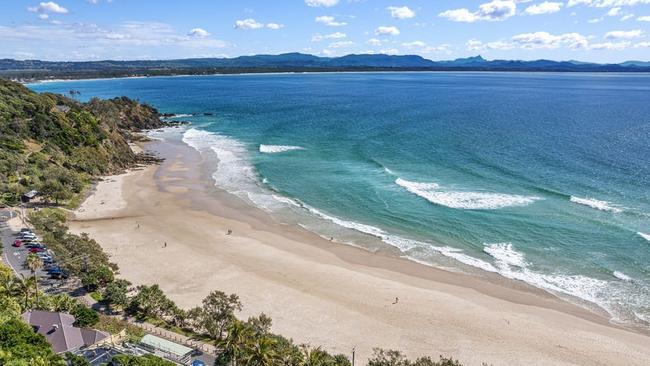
(56, 145)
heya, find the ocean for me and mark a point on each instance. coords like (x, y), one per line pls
(538, 177)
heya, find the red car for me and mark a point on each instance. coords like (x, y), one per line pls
(36, 250)
(17, 243)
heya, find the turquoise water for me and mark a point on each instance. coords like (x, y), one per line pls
(543, 178)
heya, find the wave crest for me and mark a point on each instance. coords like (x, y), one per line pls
(644, 236)
(597, 204)
(274, 149)
(433, 193)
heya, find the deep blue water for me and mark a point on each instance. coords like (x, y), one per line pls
(539, 177)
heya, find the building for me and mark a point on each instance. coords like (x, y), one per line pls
(60, 333)
(167, 349)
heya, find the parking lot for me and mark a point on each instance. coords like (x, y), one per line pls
(15, 256)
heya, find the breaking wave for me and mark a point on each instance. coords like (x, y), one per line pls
(433, 193)
(274, 149)
(597, 204)
(644, 236)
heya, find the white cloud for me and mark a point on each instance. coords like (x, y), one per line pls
(613, 12)
(642, 45)
(374, 42)
(610, 46)
(319, 3)
(546, 7)
(320, 37)
(384, 31)
(644, 18)
(248, 24)
(401, 12)
(329, 21)
(496, 10)
(538, 40)
(624, 34)
(43, 16)
(607, 3)
(274, 26)
(414, 44)
(341, 44)
(84, 41)
(48, 7)
(476, 45)
(254, 24)
(199, 32)
(422, 47)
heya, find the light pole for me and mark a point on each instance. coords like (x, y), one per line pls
(354, 349)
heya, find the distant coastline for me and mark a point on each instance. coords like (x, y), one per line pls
(37, 70)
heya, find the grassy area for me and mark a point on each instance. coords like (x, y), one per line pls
(96, 296)
(115, 325)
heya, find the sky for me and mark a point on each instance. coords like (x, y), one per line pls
(79, 30)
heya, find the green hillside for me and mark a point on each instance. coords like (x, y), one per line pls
(55, 144)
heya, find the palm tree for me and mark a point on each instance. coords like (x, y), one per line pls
(261, 352)
(24, 288)
(34, 263)
(313, 356)
(233, 344)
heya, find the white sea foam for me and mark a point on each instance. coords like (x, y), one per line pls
(234, 171)
(597, 204)
(274, 149)
(505, 254)
(622, 276)
(463, 199)
(181, 115)
(644, 236)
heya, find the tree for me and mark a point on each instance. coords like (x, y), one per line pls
(84, 317)
(74, 360)
(260, 324)
(151, 301)
(97, 277)
(261, 352)
(116, 293)
(233, 345)
(146, 360)
(383, 357)
(217, 312)
(24, 288)
(34, 263)
(20, 345)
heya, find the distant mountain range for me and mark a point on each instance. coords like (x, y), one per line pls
(288, 62)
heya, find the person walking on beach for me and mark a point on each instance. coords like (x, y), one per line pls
(396, 300)
(165, 246)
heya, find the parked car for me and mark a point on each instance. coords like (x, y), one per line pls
(34, 245)
(36, 250)
(17, 243)
(59, 274)
(25, 230)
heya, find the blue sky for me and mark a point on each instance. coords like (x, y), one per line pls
(589, 30)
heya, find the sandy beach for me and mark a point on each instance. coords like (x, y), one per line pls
(326, 293)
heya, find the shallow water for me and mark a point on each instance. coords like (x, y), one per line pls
(542, 178)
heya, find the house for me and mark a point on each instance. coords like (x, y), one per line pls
(27, 197)
(60, 333)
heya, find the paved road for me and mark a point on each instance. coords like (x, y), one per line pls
(15, 257)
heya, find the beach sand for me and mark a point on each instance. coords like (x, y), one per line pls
(330, 294)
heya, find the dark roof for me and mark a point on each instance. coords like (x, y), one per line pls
(31, 194)
(59, 331)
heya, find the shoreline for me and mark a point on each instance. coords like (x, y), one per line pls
(342, 294)
(550, 72)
